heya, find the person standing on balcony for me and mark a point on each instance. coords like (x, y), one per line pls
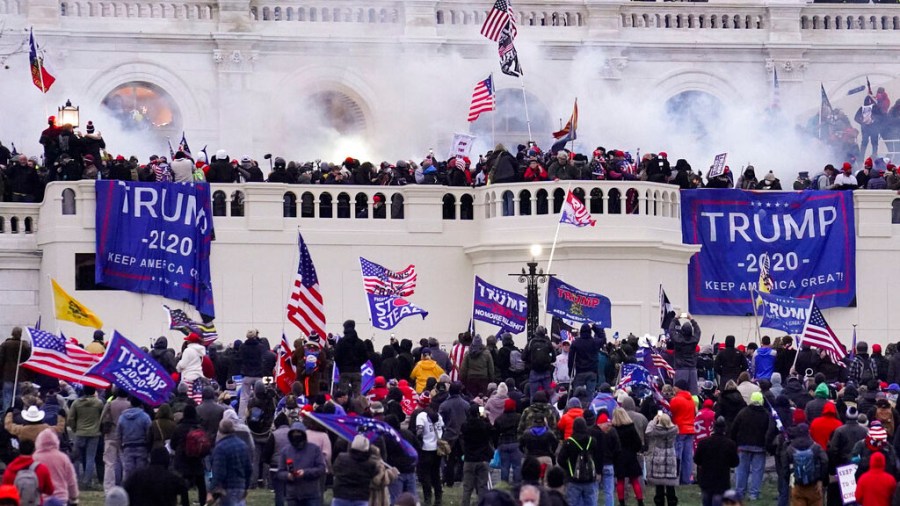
(22, 181)
(562, 168)
(220, 169)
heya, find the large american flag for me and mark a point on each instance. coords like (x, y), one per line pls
(306, 309)
(653, 360)
(62, 358)
(482, 98)
(501, 14)
(179, 320)
(818, 334)
(379, 280)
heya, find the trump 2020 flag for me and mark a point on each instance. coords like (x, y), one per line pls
(783, 313)
(574, 212)
(566, 301)
(634, 374)
(387, 310)
(499, 307)
(367, 371)
(126, 366)
(347, 427)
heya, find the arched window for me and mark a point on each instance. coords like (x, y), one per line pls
(29, 225)
(543, 206)
(14, 225)
(524, 203)
(237, 203)
(559, 196)
(396, 206)
(439, 17)
(219, 203)
(448, 209)
(325, 208)
(379, 206)
(290, 205)
(68, 202)
(615, 201)
(895, 213)
(466, 207)
(2, 225)
(307, 205)
(343, 205)
(508, 205)
(362, 205)
(141, 108)
(596, 206)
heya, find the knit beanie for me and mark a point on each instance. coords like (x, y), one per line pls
(756, 399)
(360, 443)
(509, 406)
(822, 391)
(799, 416)
(573, 403)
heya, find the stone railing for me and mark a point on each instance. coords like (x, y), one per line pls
(693, 16)
(326, 12)
(12, 7)
(18, 218)
(835, 17)
(182, 10)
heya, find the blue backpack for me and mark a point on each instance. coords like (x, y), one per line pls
(806, 467)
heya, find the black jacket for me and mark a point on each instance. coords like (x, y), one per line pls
(750, 426)
(731, 402)
(730, 363)
(715, 456)
(353, 474)
(539, 442)
(893, 375)
(685, 342)
(220, 171)
(251, 358)
(583, 353)
(350, 353)
(506, 427)
(608, 445)
(504, 168)
(807, 358)
(476, 440)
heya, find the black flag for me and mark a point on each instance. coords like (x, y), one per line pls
(509, 58)
(666, 310)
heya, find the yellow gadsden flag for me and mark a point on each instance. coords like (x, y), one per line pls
(67, 308)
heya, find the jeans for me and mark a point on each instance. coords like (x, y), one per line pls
(475, 478)
(406, 482)
(112, 464)
(581, 494)
(869, 135)
(708, 498)
(453, 463)
(751, 466)
(7, 395)
(86, 456)
(538, 381)
(609, 484)
(348, 502)
(510, 461)
(133, 459)
(784, 483)
(689, 375)
(665, 494)
(278, 486)
(246, 394)
(234, 497)
(684, 454)
(587, 379)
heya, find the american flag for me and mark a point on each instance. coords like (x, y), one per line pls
(306, 308)
(634, 374)
(818, 334)
(482, 98)
(179, 320)
(379, 280)
(347, 427)
(652, 360)
(574, 212)
(62, 358)
(501, 14)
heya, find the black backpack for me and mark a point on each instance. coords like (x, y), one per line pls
(541, 354)
(584, 469)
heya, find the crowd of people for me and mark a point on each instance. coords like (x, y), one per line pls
(71, 155)
(556, 417)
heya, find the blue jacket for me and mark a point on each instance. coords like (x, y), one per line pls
(311, 461)
(764, 363)
(231, 464)
(134, 427)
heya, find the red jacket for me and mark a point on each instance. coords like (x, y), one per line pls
(683, 412)
(45, 481)
(875, 487)
(821, 428)
(567, 420)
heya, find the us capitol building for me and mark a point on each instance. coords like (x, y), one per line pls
(241, 74)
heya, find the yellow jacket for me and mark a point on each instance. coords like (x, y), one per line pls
(425, 369)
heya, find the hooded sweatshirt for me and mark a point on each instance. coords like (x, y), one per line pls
(822, 427)
(776, 387)
(65, 482)
(191, 364)
(875, 487)
(45, 480)
(426, 368)
(815, 407)
(683, 412)
(478, 363)
(134, 428)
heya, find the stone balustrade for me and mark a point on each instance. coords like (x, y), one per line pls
(183, 10)
(16, 219)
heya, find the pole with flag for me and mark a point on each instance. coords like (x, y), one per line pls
(568, 132)
(39, 75)
(826, 111)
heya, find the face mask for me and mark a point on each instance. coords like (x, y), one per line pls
(529, 503)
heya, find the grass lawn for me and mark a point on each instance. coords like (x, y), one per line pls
(687, 496)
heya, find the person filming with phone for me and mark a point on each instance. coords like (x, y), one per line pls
(684, 337)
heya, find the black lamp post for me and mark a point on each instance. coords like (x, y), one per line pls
(532, 277)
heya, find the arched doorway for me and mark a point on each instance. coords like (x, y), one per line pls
(144, 107)
(694, 112)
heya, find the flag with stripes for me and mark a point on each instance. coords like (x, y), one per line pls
(509, 57)
(818, 334)
(62, 358)
(306, 308)
(634, 374)
(654, 361)
(498, 18)
(379, 280)
(482, 98)
(666, 310)
(179, 320)
(285, 373)
(574, 212)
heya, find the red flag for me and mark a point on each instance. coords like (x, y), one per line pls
(39, 75)
(285, 374)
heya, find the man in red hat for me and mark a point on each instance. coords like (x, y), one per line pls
(845, 180)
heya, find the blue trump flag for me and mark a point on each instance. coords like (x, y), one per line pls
(567, 302)
(809, 238)
(783, 313)
(347, 427)
(634, 374)
(499, 307)
(367, 371)
(126, 366)
(388, 310)
(155, 238)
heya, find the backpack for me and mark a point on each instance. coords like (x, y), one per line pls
(27, 484)
(584, 469)
(866, 374)
(541, 355)
(197, 444)
(516, 364)
(806, 467)
(255, 419)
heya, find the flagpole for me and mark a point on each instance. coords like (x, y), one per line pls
(803, 332)
(573, 127)
(525, 101)
(40, 62)
(556, 235)
(755, 313)
(493, 115)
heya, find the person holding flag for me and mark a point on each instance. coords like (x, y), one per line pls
(685, 337)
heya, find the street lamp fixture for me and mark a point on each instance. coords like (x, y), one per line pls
(531, 276)
(68, 115)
